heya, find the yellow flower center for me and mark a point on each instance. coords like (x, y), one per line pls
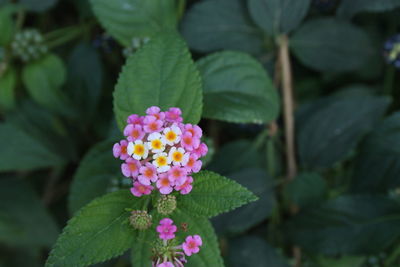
(156, 144)
(177, 156)
(171, 136)
(161, 161)
(139, 150)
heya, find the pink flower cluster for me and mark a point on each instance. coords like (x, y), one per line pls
(172, 256)
(160, 151)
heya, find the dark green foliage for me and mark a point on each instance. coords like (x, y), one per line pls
(347, 225)
(378, 165)
(212, 25)
(326, 131)
(297, 100)
(24, 220)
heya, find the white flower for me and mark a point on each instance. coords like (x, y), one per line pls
(161, 162)
(172, 135)
(137, 150)
(156, 142)
(178, 156)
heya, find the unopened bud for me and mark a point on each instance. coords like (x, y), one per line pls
(140, 219)
(166, 204)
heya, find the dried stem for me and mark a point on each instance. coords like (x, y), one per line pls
(288, 106)
(286, 82)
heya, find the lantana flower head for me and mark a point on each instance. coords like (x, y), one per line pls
(160, 151)
(168, 251)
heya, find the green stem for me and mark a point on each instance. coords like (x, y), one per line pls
(146, 203)
(271, 156)
(20, 19)
(62, 36)
(181, 8)
(389, 80)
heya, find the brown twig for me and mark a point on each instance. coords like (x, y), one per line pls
(288, 106)
(286, 78)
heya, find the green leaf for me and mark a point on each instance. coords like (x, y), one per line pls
(243, 218)
(45, 127)
(209, 254)
(19, 151)
(331, 45)
(162, 74)
(213, 194)
(378, 164)
(38, 5)
(253, 251)
(235, 156)
(212, 25)
(6, 25)
(237, 89)
(24, 220)
(127, 19)
(347, 225)
(98, 232)
(84, 87)
(278, 16)
(332, 127)
(306, 189)
(349, 8)
(7, 89)
(93, 176)
(43, 79)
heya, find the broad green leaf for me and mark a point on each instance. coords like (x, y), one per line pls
(331, 45)
(43, 79)
(332, 127)
(278, 16)
(127, 19)
(347, 225)
(213, 194)
(212, 25)
(84, 82)
(98, 232)
(38, 5)
(6, 26)
(235, 156)
(45, 127)
(162, 74)
(7, 89)
(19, 151)
(237, 89)
(255, 252)
(378, 164)
(93, 176)
(306, 189)
(24, 220)
(243, 218)
(349, 8)
(209, 254)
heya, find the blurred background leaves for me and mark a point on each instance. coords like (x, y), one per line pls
(57, 124)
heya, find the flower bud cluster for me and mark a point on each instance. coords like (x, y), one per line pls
(28, 45)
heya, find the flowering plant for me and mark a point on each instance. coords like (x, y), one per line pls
(162, 156)
(160, 150)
